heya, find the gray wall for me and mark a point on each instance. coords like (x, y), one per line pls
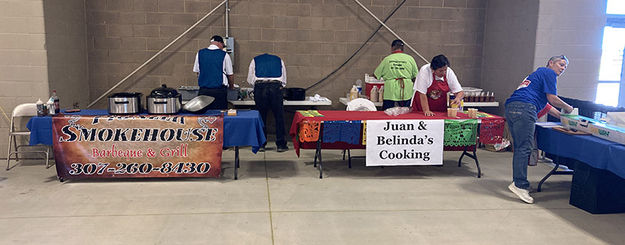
(313, 38)
(23, 64)
(577, 32)
(509, 46)
(67, 51)
(521, 35)
(42, 47)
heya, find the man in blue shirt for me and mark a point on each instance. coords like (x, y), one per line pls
(533, 94)
(267, 74)
(214, 69)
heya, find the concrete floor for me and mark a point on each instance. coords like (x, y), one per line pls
(279, 199)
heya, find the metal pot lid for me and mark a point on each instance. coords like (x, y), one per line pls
(198, 103)
(125, 95)
(164, 92)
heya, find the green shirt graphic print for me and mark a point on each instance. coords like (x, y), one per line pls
(392, 67)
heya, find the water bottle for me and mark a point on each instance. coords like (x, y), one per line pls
(359, 86)
(353, 93)
(51, 109)
(41, 108)
(55, 100)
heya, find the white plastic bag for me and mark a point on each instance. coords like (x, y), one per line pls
(395, 111)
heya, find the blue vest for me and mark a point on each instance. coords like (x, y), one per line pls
(268, 65)
(211, 68)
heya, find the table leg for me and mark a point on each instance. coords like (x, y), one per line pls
(236, 162)
(471, 155)
(315, 162)
(318, 155)
(349, 158)
(554, 171)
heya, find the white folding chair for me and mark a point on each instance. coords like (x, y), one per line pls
(23, 110)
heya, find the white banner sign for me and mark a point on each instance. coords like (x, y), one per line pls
(405, 142)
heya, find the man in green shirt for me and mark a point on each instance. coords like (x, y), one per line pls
(398, 70)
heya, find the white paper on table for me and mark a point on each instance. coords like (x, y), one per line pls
(574, 112)
(548, 124)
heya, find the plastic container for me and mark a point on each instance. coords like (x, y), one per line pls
(42, 109)
(370, 85)
(188, 92)
(374, 94)
(381, 94)
(233, 94)
(471, 94)
(51, 109)
(55, 100)
(450, 98)
(353, 93)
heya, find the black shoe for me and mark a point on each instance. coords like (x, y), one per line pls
(282, 148)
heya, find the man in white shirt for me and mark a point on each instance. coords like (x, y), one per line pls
(267, 74)
(214, 69)
(433, 83)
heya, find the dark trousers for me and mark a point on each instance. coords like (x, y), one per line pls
(268, 96)
(391, 103)
(220, 95)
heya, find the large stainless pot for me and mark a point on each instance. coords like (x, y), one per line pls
(124, 103)
(164, 100)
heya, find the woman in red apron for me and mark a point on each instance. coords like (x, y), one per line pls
(435, 99)
(436, 96)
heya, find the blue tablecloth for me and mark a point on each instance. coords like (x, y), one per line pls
(594, 151)
(244, 129)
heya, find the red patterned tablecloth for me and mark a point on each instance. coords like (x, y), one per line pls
(491, 127)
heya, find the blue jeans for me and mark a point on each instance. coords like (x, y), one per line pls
(521, 118)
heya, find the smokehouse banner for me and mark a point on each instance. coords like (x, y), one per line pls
(137, 146)
(404, 142)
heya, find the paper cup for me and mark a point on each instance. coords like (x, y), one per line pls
(452, 112)
(472, 113)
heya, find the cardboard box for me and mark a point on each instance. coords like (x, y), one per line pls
(594, 127)
(608, 132)
(576, 123)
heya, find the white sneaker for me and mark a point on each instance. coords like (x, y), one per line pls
(521, 193)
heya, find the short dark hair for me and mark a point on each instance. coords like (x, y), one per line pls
(397, 44)
(439, 61)
(217, 38)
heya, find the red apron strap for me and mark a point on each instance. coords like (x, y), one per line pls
(436, 94)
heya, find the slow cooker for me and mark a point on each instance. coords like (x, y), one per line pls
(164, 100)
(124, 103)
